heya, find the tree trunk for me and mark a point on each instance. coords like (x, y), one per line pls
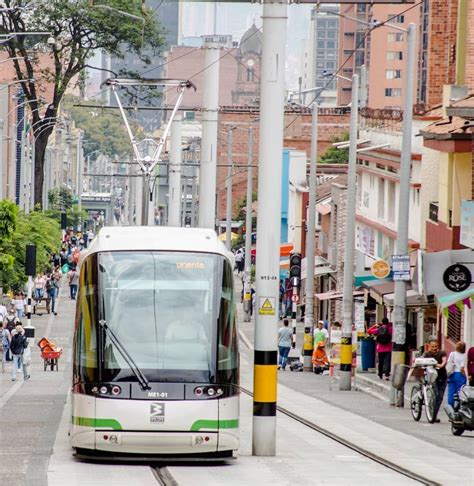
(40, 151)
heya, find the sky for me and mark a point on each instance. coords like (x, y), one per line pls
(198, 19)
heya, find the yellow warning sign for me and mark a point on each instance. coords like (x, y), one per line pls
(266, 306)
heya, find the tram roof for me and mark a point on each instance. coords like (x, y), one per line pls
(143, 238)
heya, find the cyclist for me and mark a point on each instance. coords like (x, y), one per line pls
(440, 356)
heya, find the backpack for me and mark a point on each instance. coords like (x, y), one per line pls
(18, 344)
(383, 335)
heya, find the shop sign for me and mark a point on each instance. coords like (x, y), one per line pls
(401, 267)
(457, 278)
(380, 269)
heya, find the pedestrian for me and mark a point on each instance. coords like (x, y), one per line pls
(52, 287)
(470, 366)
(239, 261)
(320, 359)
(6, 339)
(63, 256)
(383, 338)
(40, 284)
(18, 345)
(439, 355)
(284, 344)
(3, 312)
(19, 303)
(320, 334)
(456, 370)
(73, 281)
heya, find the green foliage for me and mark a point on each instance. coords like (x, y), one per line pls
(74, 216)
(60, 198)
(36, 228)
(104, 130)
(8, 224)
(241, 205)
(79, 28)
(334, 155)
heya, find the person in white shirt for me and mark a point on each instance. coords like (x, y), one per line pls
(456, 368)
(19, 303)
(3, 312)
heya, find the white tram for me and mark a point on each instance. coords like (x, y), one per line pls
(156, 364)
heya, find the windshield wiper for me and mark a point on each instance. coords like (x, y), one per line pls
(144, 383)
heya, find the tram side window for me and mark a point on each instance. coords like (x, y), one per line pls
(227, 338)
(85, 360)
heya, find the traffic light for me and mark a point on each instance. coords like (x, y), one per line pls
(295, 267)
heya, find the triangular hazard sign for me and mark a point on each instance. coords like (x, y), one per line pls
(267, 304)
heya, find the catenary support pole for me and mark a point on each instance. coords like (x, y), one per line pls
(310, 245)
(2, 124)
(399, 300)
(228, 201)
(347, 299)
(208, 171)
(248, 233)
(272, 87)
(174, 197)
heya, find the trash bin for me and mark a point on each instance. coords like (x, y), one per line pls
(367, 353)
(400, 373)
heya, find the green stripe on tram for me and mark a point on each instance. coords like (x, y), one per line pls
(214, 424)
(97, 423)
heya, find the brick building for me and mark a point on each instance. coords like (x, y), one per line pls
(331, 122)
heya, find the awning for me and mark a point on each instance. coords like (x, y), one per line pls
(381, 287)
(336, 295)
(285, 250)
(360, 278)
(414, 299)
(319, 271)
(446, 299)
(223, 236)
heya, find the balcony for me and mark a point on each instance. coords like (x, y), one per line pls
(433, 212)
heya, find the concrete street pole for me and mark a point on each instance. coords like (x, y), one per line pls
(208, 170)
(184, 206)
(80, 170)
(310, 245)
(138, 201)
(399, 301)
(248, 233)
(174, 197)
(228, 201)
(272, 89)
(347, 299)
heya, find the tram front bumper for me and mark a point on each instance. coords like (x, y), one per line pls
(156, 442)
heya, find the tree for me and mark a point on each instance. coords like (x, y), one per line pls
(60, 198)
(334, 155)
(78, 29)
(8, 224)
(103, 129)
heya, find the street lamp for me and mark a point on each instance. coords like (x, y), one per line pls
(17, 81)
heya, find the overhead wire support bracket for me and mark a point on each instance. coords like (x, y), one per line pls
(147, 164)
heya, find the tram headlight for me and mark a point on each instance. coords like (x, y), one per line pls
(211, 392)
(198, 391)
(116, 390)
(103, 390)
(219, 391)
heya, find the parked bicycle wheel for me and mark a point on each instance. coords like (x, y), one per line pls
(430, 405)
(416, 403)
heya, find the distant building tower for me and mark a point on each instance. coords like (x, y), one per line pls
(249, 53)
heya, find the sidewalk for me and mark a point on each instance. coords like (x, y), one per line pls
(372, 404)
(30, 411)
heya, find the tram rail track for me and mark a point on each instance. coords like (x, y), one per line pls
(354, 447)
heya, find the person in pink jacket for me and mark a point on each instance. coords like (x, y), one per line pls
(383, 338)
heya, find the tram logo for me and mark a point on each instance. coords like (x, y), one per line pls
(157, 413)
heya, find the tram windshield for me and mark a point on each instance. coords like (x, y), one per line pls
(162, 307)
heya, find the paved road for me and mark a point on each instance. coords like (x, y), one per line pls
(365, 405)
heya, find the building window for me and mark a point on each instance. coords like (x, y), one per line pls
(250, 75)
(394, 55)
(393, 73)
(395, 37)
(391, 201)
(454, 326)
(393, 92)
(396, 19)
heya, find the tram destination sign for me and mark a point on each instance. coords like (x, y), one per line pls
(457, 278)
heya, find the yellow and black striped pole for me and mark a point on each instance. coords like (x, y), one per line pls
(267, 274)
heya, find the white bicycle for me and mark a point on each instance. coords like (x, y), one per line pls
(424, 393)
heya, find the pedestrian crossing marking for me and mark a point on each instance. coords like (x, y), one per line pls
(266, 306)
